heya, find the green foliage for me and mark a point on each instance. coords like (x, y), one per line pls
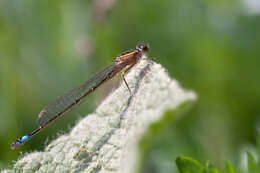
(190, 165)
(229, 168)
(253, 165)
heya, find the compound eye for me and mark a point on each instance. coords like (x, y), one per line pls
(142, 47)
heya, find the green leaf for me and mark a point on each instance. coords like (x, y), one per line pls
(258, 145)
(210, 168)
(189, 165)
(229, 168)
(252, 164)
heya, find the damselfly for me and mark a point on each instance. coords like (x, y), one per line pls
(64, 104)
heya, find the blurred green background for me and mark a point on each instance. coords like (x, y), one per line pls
(212, 47)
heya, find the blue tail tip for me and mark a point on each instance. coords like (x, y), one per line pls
(24, 138)
(19, 141)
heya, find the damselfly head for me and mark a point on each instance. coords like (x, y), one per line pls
(142, 48)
